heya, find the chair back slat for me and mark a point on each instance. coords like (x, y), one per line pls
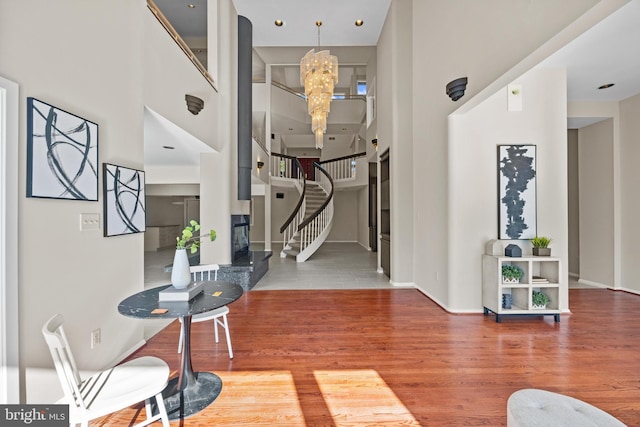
(204, 272)
(64, 361)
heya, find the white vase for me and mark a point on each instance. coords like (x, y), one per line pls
(180, 274)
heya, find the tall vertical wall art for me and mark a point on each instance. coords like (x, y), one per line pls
(62, 154)
(517, 191)
(124, 200)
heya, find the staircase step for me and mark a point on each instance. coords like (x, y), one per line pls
(291, 252)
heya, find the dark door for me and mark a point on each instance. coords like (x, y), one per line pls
(373, 207)
(385, 214)
(307, 166)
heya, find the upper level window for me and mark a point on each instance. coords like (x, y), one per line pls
(362, 87)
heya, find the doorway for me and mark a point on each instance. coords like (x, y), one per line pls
(373, 207)
(385, 214)
(307, 167)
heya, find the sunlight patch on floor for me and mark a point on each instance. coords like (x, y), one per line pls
(253, 392)
(361, 397)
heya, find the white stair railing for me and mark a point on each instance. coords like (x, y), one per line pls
(315, 230)
(342, 168)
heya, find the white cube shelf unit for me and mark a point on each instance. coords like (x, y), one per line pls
(541, 273)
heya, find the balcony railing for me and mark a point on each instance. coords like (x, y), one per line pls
(181, 43)
(342, 168)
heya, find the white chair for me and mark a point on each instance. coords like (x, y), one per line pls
(535, 408)
(219, 316)
(110, 390)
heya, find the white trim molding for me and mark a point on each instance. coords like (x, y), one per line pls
(9, 332)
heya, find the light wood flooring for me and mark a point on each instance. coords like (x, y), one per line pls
(391, 357)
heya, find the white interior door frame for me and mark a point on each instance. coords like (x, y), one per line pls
(9, 337)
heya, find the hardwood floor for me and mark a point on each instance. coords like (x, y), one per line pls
(393, 357)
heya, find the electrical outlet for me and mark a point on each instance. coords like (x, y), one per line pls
(95, 338)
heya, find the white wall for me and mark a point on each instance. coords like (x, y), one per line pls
(473, 172)
(68, 280)
(97, 71)
(218, 171)
(395, 94)
(345, 217)
(281, 209)
(363, 218)
(257, 219)
(448, 40)
(165, 87)
(596, 203)
(630, 201)
(161, 210)
(9, 286)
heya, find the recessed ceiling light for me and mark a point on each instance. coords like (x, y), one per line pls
(290, 128)
(344, 128)
(168, 147)
(279, 22)
(191, 6)
(359, 22)
(606, 86)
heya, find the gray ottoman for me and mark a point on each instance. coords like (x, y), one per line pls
(540, 408)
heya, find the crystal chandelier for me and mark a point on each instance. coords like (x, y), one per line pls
(318, 74)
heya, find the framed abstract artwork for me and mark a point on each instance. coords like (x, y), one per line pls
(124, 200)
(517, 192)
(62, 154)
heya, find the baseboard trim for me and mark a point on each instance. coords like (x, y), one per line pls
(631, 291)
(575, 275)
(128, 353)
(596, 284)
(402, 284)
(446, 308)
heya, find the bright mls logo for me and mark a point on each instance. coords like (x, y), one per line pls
(34, 415)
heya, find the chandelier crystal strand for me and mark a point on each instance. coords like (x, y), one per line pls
(319, 75)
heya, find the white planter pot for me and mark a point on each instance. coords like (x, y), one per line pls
(538, 307)
(180, 274)
(510, 281)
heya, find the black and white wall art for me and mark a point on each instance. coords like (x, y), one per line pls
(124, 200)
(62, 154)
(517, 191)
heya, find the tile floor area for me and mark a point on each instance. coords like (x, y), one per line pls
(333, 266)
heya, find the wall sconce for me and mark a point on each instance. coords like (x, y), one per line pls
(375, 143)
(194, 104)
(455, 88)
(260, 165)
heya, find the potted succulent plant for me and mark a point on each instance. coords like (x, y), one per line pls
(511, 273)
(541, 246)
(539, 300)
(180, 273)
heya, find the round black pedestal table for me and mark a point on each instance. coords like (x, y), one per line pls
(189, 392)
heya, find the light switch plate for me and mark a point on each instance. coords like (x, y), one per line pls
(89, 221)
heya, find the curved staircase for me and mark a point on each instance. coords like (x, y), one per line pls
(310, 223)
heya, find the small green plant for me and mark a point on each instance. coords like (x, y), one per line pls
(540, 242)
(539, 298)
(512, 271)
(188, 241)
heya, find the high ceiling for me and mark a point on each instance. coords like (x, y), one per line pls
(604, 54)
